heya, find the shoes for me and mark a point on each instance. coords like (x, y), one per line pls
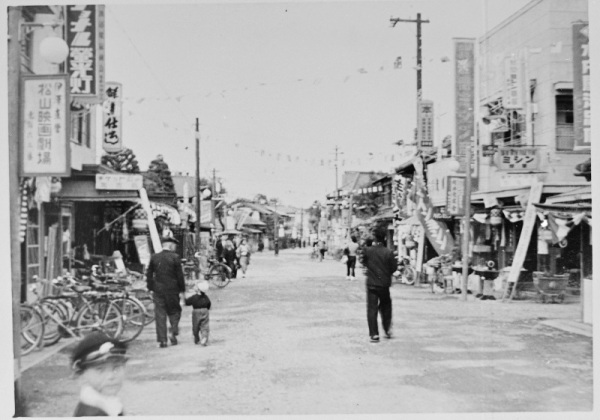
(374, 339)
(162, 344)
(204, 341)
(348, 277)
(352, 278)
(196, 340)
(173, 340)
(388, 334)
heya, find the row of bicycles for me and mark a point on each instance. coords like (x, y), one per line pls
(117, 304)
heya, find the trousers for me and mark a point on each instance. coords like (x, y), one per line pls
(351, 264)
(200, 320)
(166, 306)
(379, 300)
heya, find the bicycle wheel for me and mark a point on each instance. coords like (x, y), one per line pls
(100, 315)
(409, 275)
(219, 275)
(146, 299)
(54, 317)
(32, 329)
(133, 315)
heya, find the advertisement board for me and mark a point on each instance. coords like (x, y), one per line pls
(112, 117)
(455, 195)
(517, 158)
(425, 118)
(45, 116)
(581, 86)
(513, 83)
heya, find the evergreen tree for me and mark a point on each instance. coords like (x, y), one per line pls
(159, 176)
(123, 161)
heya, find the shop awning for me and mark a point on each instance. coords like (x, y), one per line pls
(573, 196)
(254, 222)
(489, 197)
(85, 190)
(412, 220)
(250, 230)
(386, 215)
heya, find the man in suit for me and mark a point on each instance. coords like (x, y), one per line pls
(164, 279)
(379, 263)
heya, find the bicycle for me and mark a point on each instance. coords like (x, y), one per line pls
(218, 273)
(32, 329)
(406, 273)
(442, 273)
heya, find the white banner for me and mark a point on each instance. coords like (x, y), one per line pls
(112, 118)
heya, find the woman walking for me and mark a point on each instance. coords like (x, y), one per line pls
(243, 254)
(352, 250)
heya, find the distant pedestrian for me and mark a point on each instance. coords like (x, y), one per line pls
(243, 254)
(219, 249)
(200, 318)
(380, 264)
(99, 365)
(230, 257)
(322, 250)
(276, 247)
(164, 279)
(351, 251)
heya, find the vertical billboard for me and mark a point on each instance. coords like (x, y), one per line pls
(464, 90)
(425, 130)
(85, 63)
(112, 118)
(581, 86)
(455, 195)
(44, 125)
(513, 83)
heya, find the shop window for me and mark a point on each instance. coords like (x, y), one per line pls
(564, 122)
(80, 126)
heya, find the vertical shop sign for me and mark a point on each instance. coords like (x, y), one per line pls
(112, 118)
(455, 195)
(581, 86)
(425, 118)
(44, 125)
(464, 54)
(205, 211)
(85, 63)
(513, 83)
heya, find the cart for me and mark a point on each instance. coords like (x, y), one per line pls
(550, 288)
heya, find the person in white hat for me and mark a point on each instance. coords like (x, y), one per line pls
(200, 318)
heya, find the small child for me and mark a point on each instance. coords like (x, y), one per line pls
(99, 363)
(201, 304)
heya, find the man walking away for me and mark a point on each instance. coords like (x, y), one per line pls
(352, 250)
(164, 279)
(380, 264)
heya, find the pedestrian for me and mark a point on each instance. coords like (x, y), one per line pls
(243, 255)
(322, 250)
(98, 362)
(200, 319)
(164, 279)
(219, 249)
(351, 252)
(276, 247)
(380, 264)
(230, 257)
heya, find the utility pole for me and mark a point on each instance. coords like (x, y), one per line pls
(418, 21)
(198, 195)
(213, 199)
(336, 181)
(466, 224)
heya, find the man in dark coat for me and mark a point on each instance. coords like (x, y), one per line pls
(165, 280)
(219, 249)
(379, 263)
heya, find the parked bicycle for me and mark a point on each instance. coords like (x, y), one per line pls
(441, 277)
(406, 272)
(32, 329)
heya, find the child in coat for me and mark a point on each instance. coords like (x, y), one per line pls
(99, 364)
(201, 304)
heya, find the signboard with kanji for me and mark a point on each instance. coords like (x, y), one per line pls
(517, 158)
(112, 118)
(119, 182)
(513, 83)
(45, 149)
(581, 86)
(455, 195)
(85, 63)
(206, 212)
(425, 118)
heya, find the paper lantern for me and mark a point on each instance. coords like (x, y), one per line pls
(54, 49)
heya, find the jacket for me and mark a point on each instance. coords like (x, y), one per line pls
(165, 274)
(198, 301)
(380, 264)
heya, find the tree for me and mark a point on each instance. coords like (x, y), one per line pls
(159, 176)
(122, 161)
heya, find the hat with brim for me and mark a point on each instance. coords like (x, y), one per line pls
(169, 239)
(201, 286)
(96, 349)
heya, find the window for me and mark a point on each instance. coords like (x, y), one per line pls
(80, 126)
(564, 122)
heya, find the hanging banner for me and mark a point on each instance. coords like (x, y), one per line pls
(513, 83)
(45, 112)
(455, 195)
(425, 131)
(85, 63)
(581, 86)
(464, 72)
(437, 232)
(112, 117)
(206, 211)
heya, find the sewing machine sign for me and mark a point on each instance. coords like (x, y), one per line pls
(517, 158)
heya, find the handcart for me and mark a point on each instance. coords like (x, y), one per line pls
(550, 288)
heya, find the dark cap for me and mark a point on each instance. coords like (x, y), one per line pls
(96, 348)
(169, 239)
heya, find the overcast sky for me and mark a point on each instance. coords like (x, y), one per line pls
(277, 86)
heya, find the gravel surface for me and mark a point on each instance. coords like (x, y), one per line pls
(292, 338)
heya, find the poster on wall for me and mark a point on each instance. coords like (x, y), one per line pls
(45, 149)
(85, 63)
(464, 88)
(112, 118)
(581, 86)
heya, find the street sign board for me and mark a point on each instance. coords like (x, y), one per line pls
(455, 195)
(119, 181)
(489, 150)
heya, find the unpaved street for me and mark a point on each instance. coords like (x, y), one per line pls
(292, 338)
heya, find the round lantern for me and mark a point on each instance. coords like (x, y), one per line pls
(496, 217)
(54, 49)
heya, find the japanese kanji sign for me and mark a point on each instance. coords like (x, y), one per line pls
(45, 149)
(517, 158)
(85, 63)
(455, 195)
(581, 86)
(464, 71)
(425, 132)
(112, 118)
(119, 182)
(513, 83)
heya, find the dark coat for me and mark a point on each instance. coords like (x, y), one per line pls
(219, 249)
(198, 301)
(380, 264)
(165, 274)
(85, 410)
